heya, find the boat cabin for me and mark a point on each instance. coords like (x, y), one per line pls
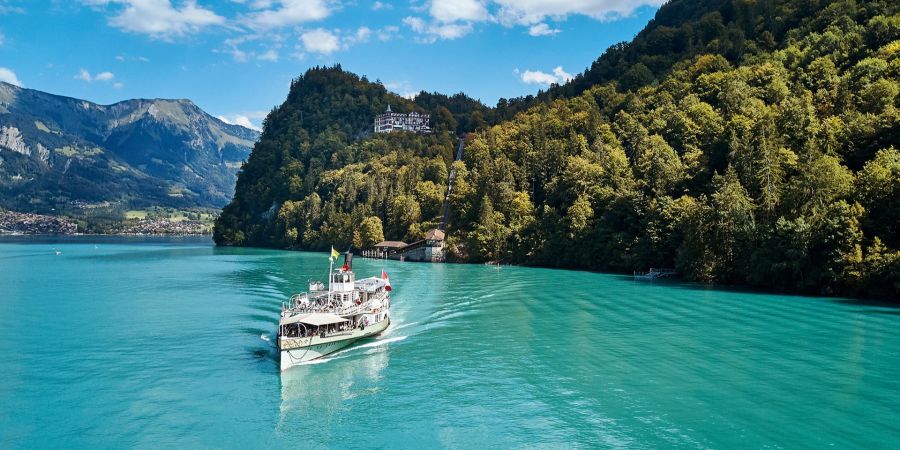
(313, 324)
(342, 281)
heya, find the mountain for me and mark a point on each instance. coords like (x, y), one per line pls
(58, 151)
(775, 166)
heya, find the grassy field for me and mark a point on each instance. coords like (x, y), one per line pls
(135, 214)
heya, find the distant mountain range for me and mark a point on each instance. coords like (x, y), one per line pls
(56, 152)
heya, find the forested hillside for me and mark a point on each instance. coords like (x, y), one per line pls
(683, 29)
(317, 172)
(774, 166)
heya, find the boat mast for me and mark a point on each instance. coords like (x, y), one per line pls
(330, 274)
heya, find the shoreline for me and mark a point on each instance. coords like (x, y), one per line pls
(676, 281)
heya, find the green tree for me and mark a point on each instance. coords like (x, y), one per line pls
(368, 233)
(878, 189)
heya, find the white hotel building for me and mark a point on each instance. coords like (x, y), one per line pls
(391, 121)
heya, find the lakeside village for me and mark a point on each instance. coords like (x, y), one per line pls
(16, 223)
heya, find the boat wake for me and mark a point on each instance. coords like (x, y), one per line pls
(315, 361)
(399, 327)
(345, 352)
(379, 342)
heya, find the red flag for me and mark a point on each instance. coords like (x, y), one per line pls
(387, 281)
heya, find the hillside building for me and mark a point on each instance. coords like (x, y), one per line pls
(393, 121)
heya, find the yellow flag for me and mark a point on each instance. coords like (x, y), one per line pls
(334, 254)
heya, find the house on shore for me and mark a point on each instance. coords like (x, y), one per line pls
(385, 249)
(430, 249)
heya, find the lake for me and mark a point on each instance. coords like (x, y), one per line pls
(155, 342)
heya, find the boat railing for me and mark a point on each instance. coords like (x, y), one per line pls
(298, 299)
(312, 307)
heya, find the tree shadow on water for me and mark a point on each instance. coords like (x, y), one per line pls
(676, 283)
(872, 302)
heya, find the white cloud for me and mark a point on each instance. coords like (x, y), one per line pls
(288, 12)
(159, 18)
(2, 37)
(123, 58)
(451, 30)
(248, 119)
(381, 5)
(269, 55)
(402, 88)
(118, 85)
(232, 47)
(387, 33)
(85, 75)
(239, 55)
(326, 42)
(243, 121)
(10, 77)
(432, 31)
(559, 76)
(415, 23)
(542, 29)
(362, 34)
(529, 12)
(447, 11)
(452, 19)
(6, 9)
(104, 76)
(321, 41)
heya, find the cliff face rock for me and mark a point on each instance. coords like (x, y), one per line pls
(57, 149)
(11, 138)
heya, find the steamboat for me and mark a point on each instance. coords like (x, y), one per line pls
(327, 319)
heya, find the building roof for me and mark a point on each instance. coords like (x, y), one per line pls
(292, 319)
(319, 319)
(388, 108)
(390, 244)
(316, 319)
(435, 235)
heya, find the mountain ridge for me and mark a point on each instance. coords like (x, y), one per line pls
(163, 151)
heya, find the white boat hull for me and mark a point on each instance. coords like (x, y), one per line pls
(296, 351)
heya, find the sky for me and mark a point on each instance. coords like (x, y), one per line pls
(236, 58)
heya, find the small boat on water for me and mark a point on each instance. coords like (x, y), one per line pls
(327, 319)
(654, 274)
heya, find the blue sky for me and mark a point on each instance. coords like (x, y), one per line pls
(235, 58)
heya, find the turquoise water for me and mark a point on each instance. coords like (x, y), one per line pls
(167, 343)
